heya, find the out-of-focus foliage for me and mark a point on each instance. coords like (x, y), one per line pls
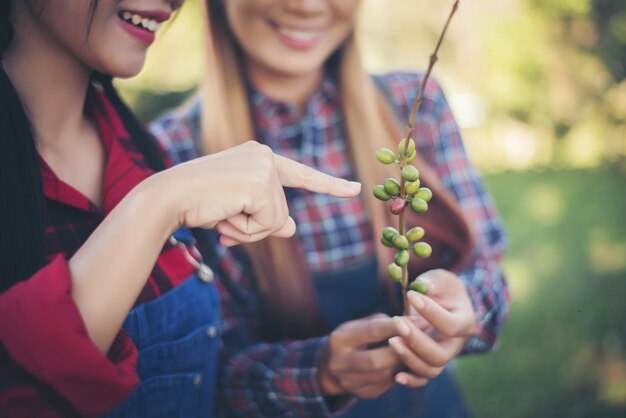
(532, 82)
(173, 67)
(562, 353)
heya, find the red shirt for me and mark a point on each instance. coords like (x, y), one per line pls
(48, 364)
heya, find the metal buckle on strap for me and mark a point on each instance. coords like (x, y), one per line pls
(194, 257)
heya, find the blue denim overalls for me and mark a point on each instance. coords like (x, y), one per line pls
(355, 292)
(177, 336)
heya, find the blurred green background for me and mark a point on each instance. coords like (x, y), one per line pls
(539, 88)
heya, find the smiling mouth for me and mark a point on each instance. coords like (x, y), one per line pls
(298, 34)
(139, 21)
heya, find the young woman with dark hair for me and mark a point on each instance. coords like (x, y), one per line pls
(92, 240)
(299, 334)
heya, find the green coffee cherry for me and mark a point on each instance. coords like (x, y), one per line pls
(425, 194)
(389, 233)
(395, 271)
(421, 249)
(380, 193)
(386, 242)
(419, 205)
(412, 187)
(401, 258)
(385, 156)
(411, 157)
(410, 150)
(392, 186)
(419, 286)
(410, 173)
(415, 234)
(400, 242)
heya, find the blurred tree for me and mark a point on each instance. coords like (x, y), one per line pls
(610, 19)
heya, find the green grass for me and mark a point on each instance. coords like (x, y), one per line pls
(563, 350)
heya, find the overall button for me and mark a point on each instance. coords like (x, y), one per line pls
(211, 331)
(197, 380)
(205, 273)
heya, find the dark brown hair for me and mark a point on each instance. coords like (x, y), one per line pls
(22, 204)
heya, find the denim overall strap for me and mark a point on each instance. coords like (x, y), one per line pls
(177, 336)
(355, 292)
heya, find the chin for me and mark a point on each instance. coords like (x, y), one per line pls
(298, 69)
(124, 67)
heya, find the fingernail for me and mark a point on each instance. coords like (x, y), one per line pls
(395, 343)
(355, 185)
(402, 326)
(401, 379)
(417, 300)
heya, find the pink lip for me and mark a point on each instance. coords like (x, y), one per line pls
(143, 35)
(296, 43)
(158, 15)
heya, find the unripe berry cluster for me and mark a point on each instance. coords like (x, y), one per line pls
(400, 194)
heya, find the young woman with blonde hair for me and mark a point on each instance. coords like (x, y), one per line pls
(299, 338)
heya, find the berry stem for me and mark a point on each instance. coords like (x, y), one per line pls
(431, 63)
(409, 130)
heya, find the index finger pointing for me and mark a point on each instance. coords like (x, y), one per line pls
(294, 174)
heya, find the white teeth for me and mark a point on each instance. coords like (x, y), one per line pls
(140, 21)
(299, 35)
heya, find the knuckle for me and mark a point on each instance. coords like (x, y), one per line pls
(449, 331)
(370, 362)
(375, 329)
(262, 149)
(334, 341)
(431, 372)
(368, 393)
(335, 367)
(439, 360)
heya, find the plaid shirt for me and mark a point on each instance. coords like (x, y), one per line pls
(48, 364)
(280, 379)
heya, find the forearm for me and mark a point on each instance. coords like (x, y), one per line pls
(111, 268)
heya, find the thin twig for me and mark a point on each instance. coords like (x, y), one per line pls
(409, 129)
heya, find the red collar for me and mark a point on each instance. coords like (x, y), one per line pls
(125, 167)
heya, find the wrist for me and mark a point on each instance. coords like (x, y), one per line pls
(153, 197)
(329, 385)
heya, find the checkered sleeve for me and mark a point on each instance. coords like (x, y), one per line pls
(178, 133)
(439, 141)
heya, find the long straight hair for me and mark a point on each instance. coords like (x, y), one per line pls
(370, 123)
(22, 206)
